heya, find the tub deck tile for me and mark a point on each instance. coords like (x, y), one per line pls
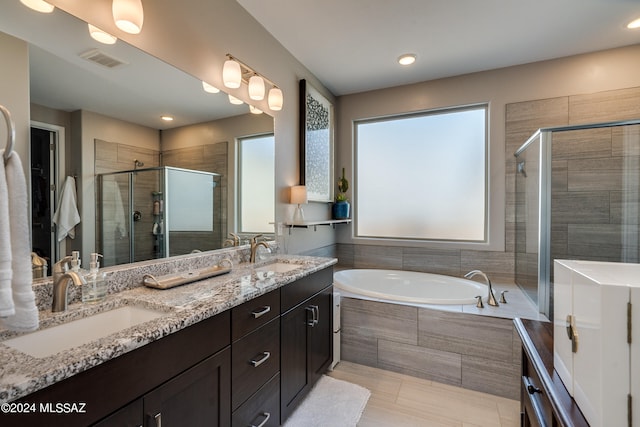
(467, 334)
(420, 362)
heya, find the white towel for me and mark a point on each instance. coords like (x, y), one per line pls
(6, 298)
(24, 299)
(66, 216)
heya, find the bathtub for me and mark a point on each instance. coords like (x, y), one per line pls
(409, 286)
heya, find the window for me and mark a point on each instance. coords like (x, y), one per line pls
(423, 176)
(256, 176)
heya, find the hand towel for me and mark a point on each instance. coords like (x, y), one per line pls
(24, 299)
(66, 216)
(112, 200)
(6, 296)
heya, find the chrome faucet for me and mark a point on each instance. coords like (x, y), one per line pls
(255, 245)
(61, 278)
(491, 299)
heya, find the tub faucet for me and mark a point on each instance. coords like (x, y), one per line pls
(255, 245)
(491, 299)
(61, 278)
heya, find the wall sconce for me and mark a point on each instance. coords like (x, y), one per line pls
(235, 72)
(235, 101)
(231, 74)
(128, 15)
(275, 99)
(298, 196)
(209, 88)
(101, 36)
(38, 5)
(256, 88)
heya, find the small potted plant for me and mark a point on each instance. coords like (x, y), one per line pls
(340, 208)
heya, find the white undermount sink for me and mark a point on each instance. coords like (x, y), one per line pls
(278, 267)
(45, 342)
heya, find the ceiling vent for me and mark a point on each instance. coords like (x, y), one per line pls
(99, 57)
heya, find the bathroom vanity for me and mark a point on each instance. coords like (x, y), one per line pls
(216, 358)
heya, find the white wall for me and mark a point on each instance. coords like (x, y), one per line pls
(589, 73)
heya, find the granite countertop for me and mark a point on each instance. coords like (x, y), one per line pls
(22, 374)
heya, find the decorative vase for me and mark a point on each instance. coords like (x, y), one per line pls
(340, 210)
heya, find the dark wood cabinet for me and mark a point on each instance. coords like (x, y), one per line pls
(131, 415)
(306, 338)
(197, 397)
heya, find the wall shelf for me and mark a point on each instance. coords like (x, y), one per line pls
(315, 224)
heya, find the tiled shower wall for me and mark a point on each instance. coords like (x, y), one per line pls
(522, 120)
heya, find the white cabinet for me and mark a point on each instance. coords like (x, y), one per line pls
(595, 354)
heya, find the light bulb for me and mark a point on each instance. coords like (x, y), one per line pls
(38, 5)
(101, 36)
(275, 99)
(231, 74)
(256, 88)
(128, 15)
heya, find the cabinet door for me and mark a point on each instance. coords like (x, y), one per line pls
(320, 350)
(129, 416)
(306, 352)
(197, 397)
(293, 357)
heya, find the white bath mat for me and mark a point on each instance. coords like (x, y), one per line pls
(331, 403)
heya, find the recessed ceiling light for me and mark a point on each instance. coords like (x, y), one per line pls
(634, 24)
(407, 59)
(167, 118)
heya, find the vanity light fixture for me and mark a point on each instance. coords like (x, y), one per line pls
(38, 5)
(634, 24)
(235, 72)
(101, 36)
(209, 88)
(128, 15)
(298, 196)
(407, 59)
(254, 110)
(275, 98)
(235, 101)
(256, 88)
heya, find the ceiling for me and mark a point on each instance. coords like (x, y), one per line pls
(352, 45)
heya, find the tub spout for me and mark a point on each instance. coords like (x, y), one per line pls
(491, 299)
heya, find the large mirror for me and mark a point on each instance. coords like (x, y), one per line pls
(101, 107)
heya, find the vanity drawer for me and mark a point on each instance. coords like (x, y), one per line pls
(255, 313)
(534, 399)
(262, 409)
(296, 292)
(255, 359)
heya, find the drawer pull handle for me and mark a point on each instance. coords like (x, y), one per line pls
(266, 416)
(532, 389)
(158, 419)
(265, 356)
(262, 312)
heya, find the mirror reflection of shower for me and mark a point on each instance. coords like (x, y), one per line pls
(137, 164)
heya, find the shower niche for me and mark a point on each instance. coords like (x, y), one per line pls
(577, 198)
(157, 212)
